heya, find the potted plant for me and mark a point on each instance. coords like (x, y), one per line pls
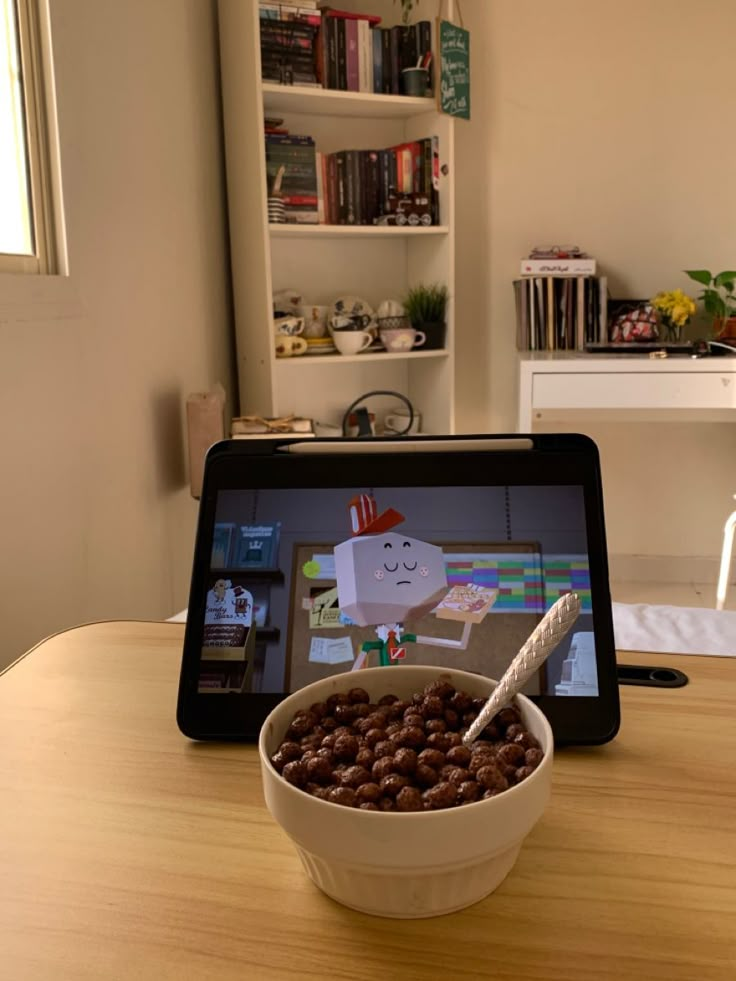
(718, 299)
(675, 309)
(406, 9)
(425, 306)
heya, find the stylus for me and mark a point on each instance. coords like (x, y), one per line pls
(636, 674)
(405, 446)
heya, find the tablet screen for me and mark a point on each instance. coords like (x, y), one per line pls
(307, 582)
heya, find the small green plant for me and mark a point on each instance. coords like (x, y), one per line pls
(406, 8)
(719, 301)
(426, 304)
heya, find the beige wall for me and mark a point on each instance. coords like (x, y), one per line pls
(607, 125)
(95, 513)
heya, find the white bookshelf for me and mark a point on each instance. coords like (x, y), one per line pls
(323, 262)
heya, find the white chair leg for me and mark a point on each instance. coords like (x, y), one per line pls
(728, 533)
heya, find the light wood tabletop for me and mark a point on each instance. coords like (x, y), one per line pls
(127, 851)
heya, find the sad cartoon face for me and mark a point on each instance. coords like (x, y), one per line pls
(388, 578)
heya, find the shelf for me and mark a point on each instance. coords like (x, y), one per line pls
(253, 575)
(362, 358)
(355, 231)
(328, 102)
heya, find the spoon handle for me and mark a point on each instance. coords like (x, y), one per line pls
(542, 641)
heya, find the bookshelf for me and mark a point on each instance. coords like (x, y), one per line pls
(322, 262)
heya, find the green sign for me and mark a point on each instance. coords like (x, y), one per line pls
(454, 87)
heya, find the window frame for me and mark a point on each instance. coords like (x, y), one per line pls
(39, 105)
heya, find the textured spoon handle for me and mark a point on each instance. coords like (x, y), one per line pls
(543, 640)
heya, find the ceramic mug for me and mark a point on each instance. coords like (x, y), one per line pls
(397, 339)
(396, 422)
(290, 326)
(288, 346)
(351, 341)
(315, 319)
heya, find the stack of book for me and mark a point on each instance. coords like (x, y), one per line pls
(289, 33)
(361, 187)
(352, 187)
(358, 56)
(299, 190)
(561, 304)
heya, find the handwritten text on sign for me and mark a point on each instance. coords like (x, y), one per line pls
(454, 93)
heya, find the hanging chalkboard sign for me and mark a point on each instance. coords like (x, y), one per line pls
(453, 92)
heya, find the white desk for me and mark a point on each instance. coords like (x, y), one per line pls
(568, 381)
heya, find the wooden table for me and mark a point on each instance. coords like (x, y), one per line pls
(128, 852)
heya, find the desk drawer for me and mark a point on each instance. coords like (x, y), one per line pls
(634, 390)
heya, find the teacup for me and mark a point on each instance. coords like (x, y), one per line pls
(397, 422)
(355, 321)
(288, 346)
(352, 341)
(315, 319)
(397, 339)
(289, 325)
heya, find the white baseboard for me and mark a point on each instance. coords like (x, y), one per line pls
(664, 568)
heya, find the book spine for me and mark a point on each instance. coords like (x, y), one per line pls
(396, 32)
(351, 217)
(417, 166)
(555, 267)
(342, 65)
(341, 182)
(365, 57)
(386, 81)
(332, 210)
(580, 313)
(320, 188)
(329, 26)
(384, 181)
(602, 309)
(377, 60)
(532, 307)
(372, 192)
(351, 42)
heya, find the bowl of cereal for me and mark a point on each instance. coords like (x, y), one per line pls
(389, 812)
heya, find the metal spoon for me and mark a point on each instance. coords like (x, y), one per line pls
(542, 641)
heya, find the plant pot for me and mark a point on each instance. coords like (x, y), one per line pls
(435, 335)
(723, 329)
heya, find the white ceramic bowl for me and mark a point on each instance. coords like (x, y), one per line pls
(405, 865)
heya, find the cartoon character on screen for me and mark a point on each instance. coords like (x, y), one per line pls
(385, 578)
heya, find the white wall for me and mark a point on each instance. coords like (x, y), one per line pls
(95, 514)
(607, 125)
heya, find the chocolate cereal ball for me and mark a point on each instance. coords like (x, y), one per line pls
(404, 755)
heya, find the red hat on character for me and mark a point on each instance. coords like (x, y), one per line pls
(365, 519)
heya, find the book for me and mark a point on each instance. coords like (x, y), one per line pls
(373, 19)
(223, 540)
(342, 66)
(395, 35)
(386, 75)
(558, 267)
(377, 60)
(365, 57)
(351, 55)
(281, 426)
(257, 546)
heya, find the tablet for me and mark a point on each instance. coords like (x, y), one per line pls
(319, 557)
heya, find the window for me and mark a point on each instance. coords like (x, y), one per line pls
(28, 220)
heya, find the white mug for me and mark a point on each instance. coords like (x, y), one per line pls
(288, 346)
(352, 341)
(396, 422)
(289, 325)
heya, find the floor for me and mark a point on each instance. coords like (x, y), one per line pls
(671, 594)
